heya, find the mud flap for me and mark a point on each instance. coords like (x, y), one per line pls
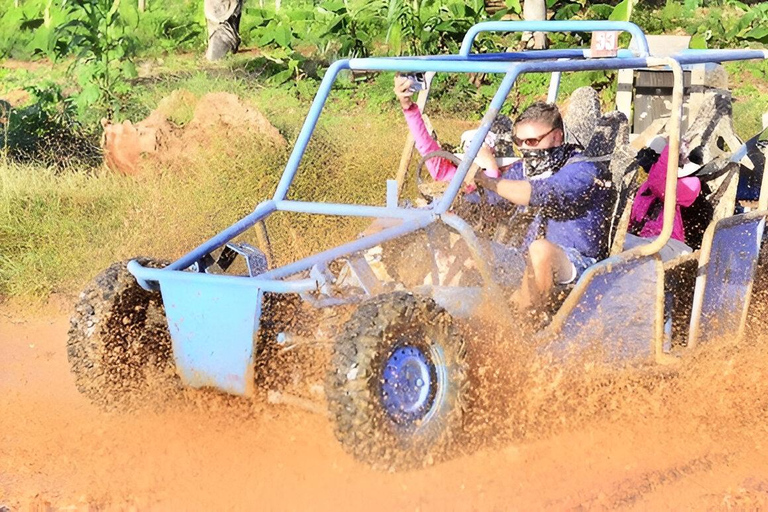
(212, 324)
(725, 277)
(617, 318)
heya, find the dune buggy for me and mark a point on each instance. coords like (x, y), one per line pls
(399, 378)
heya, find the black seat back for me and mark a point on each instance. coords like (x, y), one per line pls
(609, 149)
(581, 116)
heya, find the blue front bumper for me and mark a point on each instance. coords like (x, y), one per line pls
(213, 320)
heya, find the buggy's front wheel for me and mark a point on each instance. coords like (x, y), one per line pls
(398, 383)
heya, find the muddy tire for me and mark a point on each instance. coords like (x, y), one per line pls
(397, 385)
(119, 346)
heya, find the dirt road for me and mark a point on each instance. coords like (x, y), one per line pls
(697, 441)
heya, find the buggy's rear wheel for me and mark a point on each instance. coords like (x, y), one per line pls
(398, 385)
(118, 339)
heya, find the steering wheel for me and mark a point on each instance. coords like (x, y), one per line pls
(493, 221)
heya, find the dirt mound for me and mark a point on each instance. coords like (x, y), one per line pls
(165, 138)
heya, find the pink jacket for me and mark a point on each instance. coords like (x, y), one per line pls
(440, 168)
(687, 191)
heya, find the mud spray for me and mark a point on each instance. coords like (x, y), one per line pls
(572, 438)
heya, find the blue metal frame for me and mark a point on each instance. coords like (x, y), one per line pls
(554, 26)
(458, 64)
(510, 64)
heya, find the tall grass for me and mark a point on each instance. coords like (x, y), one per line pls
(59, 230)
(50, 226)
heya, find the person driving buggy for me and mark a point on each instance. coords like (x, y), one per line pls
(570, 196)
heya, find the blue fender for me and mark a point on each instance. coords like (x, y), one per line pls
(617, 318)
(725, 276)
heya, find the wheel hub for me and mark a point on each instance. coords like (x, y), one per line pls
(407, 387)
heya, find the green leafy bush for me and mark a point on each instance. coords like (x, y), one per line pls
(348, 29)
(46, 131)
(752, 25)
(103, 49)
(279, 34)
(424, 27)
(161, 30)
(27, 30)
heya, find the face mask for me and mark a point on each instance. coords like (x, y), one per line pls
(542, 163)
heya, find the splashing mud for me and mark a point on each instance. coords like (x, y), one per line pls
(575, 438)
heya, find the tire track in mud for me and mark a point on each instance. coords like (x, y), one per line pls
(631, 490)
(695, 441)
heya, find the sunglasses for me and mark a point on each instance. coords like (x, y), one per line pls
(530, 142)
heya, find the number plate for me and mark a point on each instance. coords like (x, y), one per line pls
(604, 44)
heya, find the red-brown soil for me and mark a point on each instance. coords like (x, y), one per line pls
(217, 116)
(695, 442)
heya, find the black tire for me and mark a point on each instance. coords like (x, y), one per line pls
(119, 344)
(369, 423)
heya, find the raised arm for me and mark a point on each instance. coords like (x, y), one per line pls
(439, 168)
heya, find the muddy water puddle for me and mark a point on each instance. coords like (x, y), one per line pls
(696, 440)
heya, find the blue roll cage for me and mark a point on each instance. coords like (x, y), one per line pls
(511, 65)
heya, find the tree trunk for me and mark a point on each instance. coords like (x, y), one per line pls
(142, 5)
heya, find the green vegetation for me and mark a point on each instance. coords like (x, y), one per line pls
(57, 229)
(749, 83)
(71, 63)
(103, 49)
(713, 24)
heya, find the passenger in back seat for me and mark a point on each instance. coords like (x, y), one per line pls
(648, 208)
